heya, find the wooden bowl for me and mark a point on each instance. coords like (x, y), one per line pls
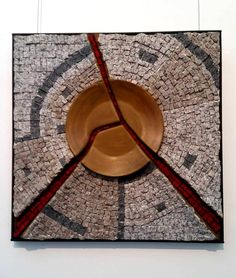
(113, 152)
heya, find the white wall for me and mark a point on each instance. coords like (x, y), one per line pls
(32, 260)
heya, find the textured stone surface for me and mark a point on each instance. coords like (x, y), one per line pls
(195, 131)
(209, 42)
(64, 220)
(43, 227)
(90, 200)
(153, 210)
(40, 107)
(181, 72)
(189, 99)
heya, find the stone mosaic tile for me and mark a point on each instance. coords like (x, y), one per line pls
(182, 72)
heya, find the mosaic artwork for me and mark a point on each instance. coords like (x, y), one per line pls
(117, 137)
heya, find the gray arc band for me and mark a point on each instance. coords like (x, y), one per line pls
(81, 54)
(64, 220)
(201, 55)
(38, 100)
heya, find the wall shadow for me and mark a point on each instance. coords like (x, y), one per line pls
(33, 246)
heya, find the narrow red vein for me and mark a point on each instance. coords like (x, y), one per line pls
(203, 210)
(21, 222)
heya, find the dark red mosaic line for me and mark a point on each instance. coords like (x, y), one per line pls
(21, 222)
(205, 212)
(104, 73)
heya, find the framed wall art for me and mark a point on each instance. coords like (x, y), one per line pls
(117, 137)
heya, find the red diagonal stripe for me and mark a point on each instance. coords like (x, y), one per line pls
(30, 213)
(205, 212)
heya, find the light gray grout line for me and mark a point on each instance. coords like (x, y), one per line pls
(39, 16)
(198, 13)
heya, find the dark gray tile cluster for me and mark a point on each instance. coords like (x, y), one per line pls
(66, 92)
(189, 160)
(60, 129)
(121, 211)
(62, 161)
(147, 56)
(63, 220)
(160, 207)
(27, 171)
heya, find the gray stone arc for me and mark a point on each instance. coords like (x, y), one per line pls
(201, 55)
(79, 55)
(76, 57)
(146, 198)
(38, 100)
(63, 220)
